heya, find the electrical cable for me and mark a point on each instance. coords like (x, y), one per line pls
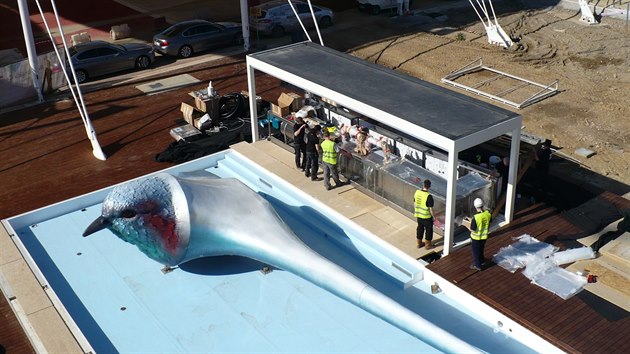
(231, 106)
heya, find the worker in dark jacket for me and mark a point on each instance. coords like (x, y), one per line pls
(423, 211)
(312, 153)
(299, 144)
(479, 229)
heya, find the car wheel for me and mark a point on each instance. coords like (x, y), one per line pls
(82, 76)
(143, 62)
(375, 10)
(277, 31)
(325, 22)
(185, 51)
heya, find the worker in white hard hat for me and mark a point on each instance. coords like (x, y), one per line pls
(479, 228)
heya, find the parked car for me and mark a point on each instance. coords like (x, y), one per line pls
(276, 17)
(376, 6)
(186, 38)
(98, 58)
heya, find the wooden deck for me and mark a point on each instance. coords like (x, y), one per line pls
(13, 339)
(47, 159)
(574, 325)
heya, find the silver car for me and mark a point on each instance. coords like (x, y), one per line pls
(188, 37)
(276, 18)
(97, 58)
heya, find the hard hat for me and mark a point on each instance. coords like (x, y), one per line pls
(478, 203)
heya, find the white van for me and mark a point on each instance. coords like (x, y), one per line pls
(376, 6)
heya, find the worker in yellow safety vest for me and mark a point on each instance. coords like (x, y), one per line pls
(423, 211)
(330, 151)
(479, 229)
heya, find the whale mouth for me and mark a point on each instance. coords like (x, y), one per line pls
(97, 225)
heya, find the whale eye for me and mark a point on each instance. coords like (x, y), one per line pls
(128, 213)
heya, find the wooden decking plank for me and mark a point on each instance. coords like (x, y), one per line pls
(534, 328)
(575, 331)
(569, 324)
(596, 337)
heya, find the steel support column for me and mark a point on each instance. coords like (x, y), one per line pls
(512, 174)
(30, 47)
(449, 212)
(251, 87)
(245, 24)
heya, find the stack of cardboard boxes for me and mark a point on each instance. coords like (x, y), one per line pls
(197, 117)
(192, 115)
(287, 103)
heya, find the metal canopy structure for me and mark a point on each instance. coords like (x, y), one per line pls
(515, 85)
(444, 119)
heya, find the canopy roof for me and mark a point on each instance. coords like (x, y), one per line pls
(427, 111)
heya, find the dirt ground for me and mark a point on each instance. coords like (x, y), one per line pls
(591, 62)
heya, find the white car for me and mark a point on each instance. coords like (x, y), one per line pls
(376, 6)
(276, 18)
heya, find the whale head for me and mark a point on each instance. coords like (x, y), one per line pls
(150, 213)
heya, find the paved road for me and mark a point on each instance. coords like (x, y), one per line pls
(352, 28)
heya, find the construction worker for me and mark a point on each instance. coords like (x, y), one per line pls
(423, 211)
(479, 228)
(330, 151)
(299, 143)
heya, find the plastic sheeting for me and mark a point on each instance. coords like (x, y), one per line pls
(561, 282)
(523, 251)
(572, 255)
(541, 262)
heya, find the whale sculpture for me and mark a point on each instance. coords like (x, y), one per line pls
(177, 219)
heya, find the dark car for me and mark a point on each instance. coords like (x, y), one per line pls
(188, 37)
(276, 17)
(97, 58)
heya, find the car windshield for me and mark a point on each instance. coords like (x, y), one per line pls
(172, 31)
(72, 51)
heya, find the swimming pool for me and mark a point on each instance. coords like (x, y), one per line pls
(118, 300)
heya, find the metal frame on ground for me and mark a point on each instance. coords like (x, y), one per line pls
(544, 92)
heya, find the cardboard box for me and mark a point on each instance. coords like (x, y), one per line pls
(190, 113)
(291, 100)
(184, 132)
(200, 104)
(287, 102)
(279, 111)
(298, 101)
(466, 222)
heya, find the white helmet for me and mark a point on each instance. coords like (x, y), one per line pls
(478, 203)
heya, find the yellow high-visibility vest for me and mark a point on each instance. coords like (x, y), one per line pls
(483, 225)
(329, 155)
(420, 202)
